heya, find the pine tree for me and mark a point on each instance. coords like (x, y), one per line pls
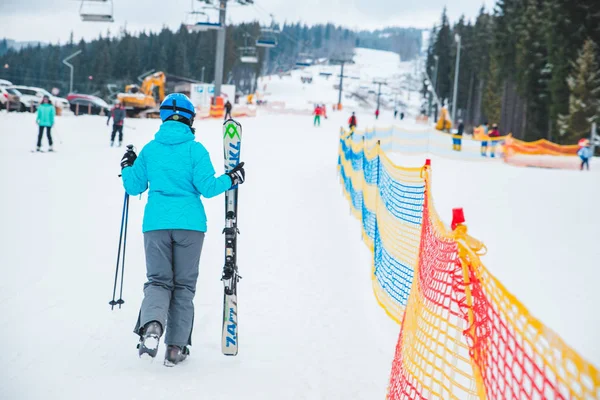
(584, 101)
(532, 71)
(492, 96)
(483, 36)
(443, 49)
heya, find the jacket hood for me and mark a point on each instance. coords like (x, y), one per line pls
(172, 132)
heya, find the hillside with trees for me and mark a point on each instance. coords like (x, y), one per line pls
(120, 59)
(529, 65)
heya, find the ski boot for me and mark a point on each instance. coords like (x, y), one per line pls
(175, 355)
(119, 143)
(149, 339)
(38, 149)
(112, 143)
(50, 149)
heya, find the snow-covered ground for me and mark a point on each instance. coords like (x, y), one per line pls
(369, 66)
(310, 327)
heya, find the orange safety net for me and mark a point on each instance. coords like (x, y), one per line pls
(432, 357)
(516, 355)
(539, 147)
(465, 336)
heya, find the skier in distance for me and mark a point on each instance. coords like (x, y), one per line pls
(352, 122)
(118, 116)
(228, 108)
(45, 120)
(178, 170)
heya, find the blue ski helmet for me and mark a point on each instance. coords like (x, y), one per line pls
(177, 105)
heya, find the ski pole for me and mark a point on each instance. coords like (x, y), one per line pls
(125, 212)
(57, 134)
(121, 301)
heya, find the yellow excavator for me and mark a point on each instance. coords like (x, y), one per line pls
(144, 100)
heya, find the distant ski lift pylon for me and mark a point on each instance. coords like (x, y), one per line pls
(248, 55)
(96, 11)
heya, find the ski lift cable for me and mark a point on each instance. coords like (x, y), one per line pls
(259, 9)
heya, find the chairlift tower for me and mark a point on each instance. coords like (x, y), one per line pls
(267, 40)
(341, 61)
(96, 11)
(220, 59)
(379, 83)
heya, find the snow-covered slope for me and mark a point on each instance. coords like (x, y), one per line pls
(310, 327)
(369, 66)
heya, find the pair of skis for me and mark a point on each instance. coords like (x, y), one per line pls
(232, 143)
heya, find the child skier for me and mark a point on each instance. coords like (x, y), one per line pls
(584, 154)
(457, 139)
(494, 133)
(45, 119)
(178, 171)
(484, 143)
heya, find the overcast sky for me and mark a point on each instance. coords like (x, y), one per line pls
(53, 20)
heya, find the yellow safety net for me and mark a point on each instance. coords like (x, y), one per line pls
(463, 334)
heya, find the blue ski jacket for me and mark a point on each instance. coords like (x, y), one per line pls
(584, 153)
(45, 115)
(178, 170)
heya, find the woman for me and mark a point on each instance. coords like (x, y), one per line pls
(45, 119)
(178, 171)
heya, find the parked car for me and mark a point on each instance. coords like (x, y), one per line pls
(88, 104)
(39, 93)
(4, 82)
(10, 99)
(28, 102)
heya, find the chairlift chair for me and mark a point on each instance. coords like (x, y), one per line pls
(96, 11)
(267, 38)
(304, 60)
(203, 26)
(194, 24)
(248, 55)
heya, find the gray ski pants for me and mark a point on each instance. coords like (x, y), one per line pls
(172, 260)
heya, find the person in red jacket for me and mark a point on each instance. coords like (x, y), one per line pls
(377, 114)
(324, 109)
(493, 134)
(352, 122)
(317, 113)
